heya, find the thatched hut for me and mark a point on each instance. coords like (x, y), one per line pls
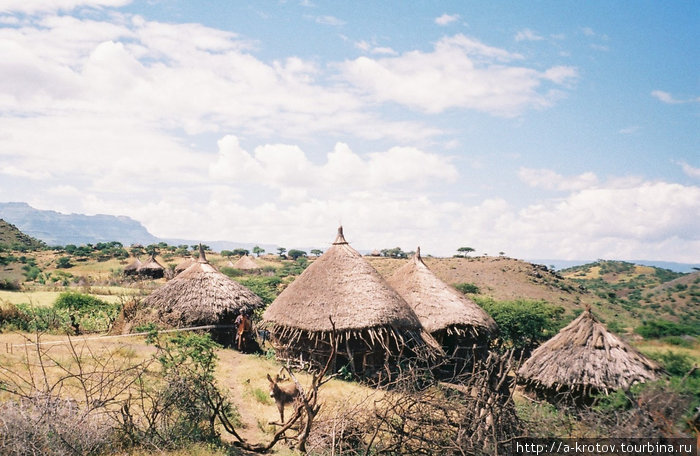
(245, 263)
(374, 325)
(583, 359)
(132, 268)
(184, 264)
(462, 328)
(200, 295)
(151, 268)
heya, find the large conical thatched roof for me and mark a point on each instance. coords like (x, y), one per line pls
(200, 295)
(438, 305)
(246, 263)
(585, 356)
(343, 285)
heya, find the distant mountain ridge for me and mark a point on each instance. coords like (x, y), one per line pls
(55, 228)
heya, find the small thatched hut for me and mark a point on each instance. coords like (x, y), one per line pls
(374, 325)
(462, 328)
(245, 263)
(132, 268)
(584, 359)
(184, 264)
(198, 296)
(151, 269)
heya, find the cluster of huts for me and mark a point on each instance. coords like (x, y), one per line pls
(150, 269)
(375, 323)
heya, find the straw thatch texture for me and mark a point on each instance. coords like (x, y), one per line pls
(200, 295)
(371, 320)
(132, 268)
(184, 265)
(151, 268)
(439, 306)
(586, 358)
(246, 263)
(343, 285)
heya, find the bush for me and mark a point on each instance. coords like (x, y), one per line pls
(467, 288)
(524, 324)
(676, 364)
(655, 329)
(265, 287)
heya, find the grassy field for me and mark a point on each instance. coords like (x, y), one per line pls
(47, 298)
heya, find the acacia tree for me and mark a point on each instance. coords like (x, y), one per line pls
(281, 251)
(316, 252)
(257, 250)
(465, 251)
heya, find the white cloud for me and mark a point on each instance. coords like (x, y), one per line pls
(130, 67)
(460, 73)
(690, 171)
(329, 20)
(670, 99)
(527, 35)
(286, 167)
(446, 19)
(629, 130)
(550, 180)
(36, 6)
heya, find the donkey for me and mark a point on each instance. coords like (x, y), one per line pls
(282, 394)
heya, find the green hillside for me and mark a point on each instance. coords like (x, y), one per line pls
(11, 238)
(647, 292)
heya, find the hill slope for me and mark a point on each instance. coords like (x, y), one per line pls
(11, 238)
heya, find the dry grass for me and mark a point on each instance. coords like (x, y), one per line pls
(240, 376)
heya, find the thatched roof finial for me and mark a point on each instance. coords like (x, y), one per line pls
(418, 252)
(340, 239)
(202, 256)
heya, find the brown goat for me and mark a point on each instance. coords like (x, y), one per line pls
(282, 394)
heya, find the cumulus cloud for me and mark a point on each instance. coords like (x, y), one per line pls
(446, 19)
(131, 67)
(284, 167)
(550, 180)
(461, 72)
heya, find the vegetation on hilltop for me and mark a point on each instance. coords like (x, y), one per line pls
(12, 239)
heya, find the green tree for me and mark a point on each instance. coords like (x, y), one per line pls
(465, 251)
(524, 324)
(226, 253)
(281, 251)
(316, 252)
(294, 254)
(240, 252)
(257, 250)
(396, 252)
(152, 249)
(63, 263)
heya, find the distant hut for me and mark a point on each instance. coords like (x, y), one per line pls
(585, 359)
(151, 269)
(198, 296)
(245, 263)
(132, 268)
(374, 325)
(460, 326)
(184, 265)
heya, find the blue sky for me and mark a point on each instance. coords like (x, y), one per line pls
(546, 129)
